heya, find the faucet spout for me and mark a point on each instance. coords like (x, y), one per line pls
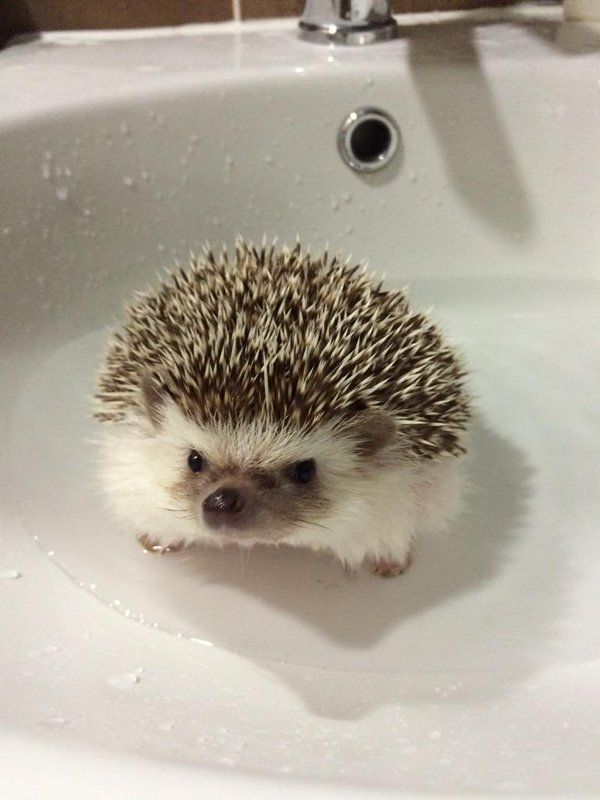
(352, 22)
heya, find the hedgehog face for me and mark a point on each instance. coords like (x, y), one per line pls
(239, 500)
(260, 481)
(240, 483)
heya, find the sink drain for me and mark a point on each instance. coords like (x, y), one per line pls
(368, 139)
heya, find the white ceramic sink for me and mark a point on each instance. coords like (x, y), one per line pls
(477, 673)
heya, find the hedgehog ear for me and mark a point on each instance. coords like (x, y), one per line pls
(153, 395)
(373, 429)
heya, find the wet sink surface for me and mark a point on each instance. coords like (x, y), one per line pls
(475, 673)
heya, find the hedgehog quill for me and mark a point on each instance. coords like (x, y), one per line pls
(281, 398)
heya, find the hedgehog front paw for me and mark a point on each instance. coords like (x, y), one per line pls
(389, 568)
(152, 545)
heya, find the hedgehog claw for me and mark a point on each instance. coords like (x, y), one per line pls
(151, 545)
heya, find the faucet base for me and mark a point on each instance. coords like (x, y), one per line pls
(348, 34)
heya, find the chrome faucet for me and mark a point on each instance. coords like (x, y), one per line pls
(348, 21)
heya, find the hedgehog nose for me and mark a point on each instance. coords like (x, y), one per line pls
(223, 504)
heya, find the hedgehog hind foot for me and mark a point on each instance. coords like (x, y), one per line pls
(390, 567)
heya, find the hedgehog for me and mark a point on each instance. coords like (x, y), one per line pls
(281, 398)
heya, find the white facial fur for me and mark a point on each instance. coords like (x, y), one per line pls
(375, 511)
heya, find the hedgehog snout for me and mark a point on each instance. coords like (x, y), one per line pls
(224, 506)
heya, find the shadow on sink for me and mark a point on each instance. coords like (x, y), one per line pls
(471, 135)
(393, 637)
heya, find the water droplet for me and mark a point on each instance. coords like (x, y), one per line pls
(412, 176)
(7, 574)
(166, 726)
(67, 172)
(160, 248)
(349, 229)
(128, 180)
(269, 159)
(51, 648)
(194, 138)
(298, 180)
(183, 161)
(334, 204)
(229, 162)
(62, 192)
(145, 175)
(369, 81)
(227, 761)
(6, 230)
(46, 170)
(124, 128)
(435, 735)
(57, 722)
(87, 212)
(346, 197)
(124, 681)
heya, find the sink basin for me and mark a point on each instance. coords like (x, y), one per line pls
(277, 675)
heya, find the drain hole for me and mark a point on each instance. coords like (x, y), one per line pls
(370, 140)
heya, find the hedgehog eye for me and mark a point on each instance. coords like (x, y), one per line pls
(304, 471)
(195, 461)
